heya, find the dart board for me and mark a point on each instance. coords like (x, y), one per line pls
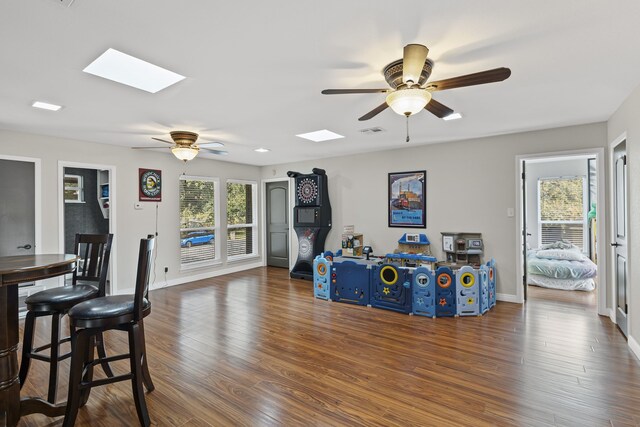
(308, 192)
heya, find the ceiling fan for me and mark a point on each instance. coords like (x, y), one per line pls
(410, 92)
(185, 147)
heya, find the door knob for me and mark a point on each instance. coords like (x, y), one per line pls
(27, 247)
(615, 244)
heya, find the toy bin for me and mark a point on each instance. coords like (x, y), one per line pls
(424, 292)
(445, 292)
(391, 288)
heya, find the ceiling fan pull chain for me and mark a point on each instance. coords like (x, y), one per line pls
(407, 128)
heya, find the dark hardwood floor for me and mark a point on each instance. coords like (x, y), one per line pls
(255, 348)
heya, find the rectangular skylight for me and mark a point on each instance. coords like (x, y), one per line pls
(131, 71)
(452, 116)
(320, 135)
(46, 106)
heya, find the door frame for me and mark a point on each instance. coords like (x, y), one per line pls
(113, 285)
(37, 167)
(263, 214)
(601, 213)
(614, 295)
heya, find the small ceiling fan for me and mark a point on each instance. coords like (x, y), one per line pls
(410, 92)
(185, 147)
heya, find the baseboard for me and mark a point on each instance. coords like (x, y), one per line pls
(634, 346)
(192, 278)
(612, 315)
(508, 298)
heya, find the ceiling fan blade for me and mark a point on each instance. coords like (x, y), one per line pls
(380, 108)
(438, 109)
(162, 140)
(342, 91)
(146, 148)
(489, 76)
(207, 145)
(218, 152)
(413, 60)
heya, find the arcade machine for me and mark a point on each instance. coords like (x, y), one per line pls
(311, 219)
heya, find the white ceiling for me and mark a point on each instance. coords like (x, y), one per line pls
(255, 69)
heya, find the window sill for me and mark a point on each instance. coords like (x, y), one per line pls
(239, 258)
(200, 265)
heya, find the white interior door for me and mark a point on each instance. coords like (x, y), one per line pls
(620, 236)
(17, 212)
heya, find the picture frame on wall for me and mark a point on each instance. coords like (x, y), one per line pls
(408, 199)
(149, 185)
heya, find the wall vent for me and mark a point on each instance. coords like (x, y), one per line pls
(371, 131)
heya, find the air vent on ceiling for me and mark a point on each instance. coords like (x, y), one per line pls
(66, 3)
(371, 131)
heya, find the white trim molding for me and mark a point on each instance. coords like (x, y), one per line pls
(634, 346)
(508, 298)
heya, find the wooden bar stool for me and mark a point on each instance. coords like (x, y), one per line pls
(89, 281)
(90, 319)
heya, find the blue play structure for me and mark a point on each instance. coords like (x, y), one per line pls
(424, 292)
(350, 281)
(321, 274)
(467, 291)
(445, 292)
(392, 283)
(391, 288)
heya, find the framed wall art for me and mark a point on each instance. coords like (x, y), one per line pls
(149, 185)
(408, 199)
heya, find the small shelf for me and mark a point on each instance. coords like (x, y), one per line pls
(103, 192)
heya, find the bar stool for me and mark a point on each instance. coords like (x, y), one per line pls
(89, 281)
(90, 319)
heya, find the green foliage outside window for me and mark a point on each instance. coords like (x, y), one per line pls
(561, 199)
(196, 204)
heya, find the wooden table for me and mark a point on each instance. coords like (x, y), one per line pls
(15, 270)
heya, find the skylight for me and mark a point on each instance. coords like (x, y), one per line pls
(131, 71)
(46, 106)
(320, 135)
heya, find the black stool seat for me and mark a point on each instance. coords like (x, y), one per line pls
(60, 299)
(99, 312)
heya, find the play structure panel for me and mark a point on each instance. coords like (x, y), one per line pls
(391, 288)
(467, 291)
(424, 292)
(350, 282)
(445, 292)
(321, 275)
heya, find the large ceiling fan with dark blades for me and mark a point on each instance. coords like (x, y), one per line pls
(410, 92)
(185, 147)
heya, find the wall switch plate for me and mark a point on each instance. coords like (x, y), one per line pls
(510, 212)
(137, 206)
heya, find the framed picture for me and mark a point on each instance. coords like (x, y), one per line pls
(149, 185)
(408, 199)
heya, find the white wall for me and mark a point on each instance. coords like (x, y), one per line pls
(625, 119)
(131, 225)
(536, 170)
(470, 185)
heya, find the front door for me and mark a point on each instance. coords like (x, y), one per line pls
(17, 210)
(277, 197)
(620, 235)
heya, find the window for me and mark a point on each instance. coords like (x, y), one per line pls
(198, 230)
(73, 189)
(561, 208)
(241, 219)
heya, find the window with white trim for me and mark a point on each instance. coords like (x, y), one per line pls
(199, 209)
(73, 189)
(242, 224)
(561, 210)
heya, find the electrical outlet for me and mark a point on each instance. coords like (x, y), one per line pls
(166, 269)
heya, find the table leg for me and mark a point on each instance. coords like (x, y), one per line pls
(9, 380)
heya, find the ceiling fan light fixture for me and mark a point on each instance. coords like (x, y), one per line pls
(185, 153)
(408, 102)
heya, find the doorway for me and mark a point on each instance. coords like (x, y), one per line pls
(86, 206)
(561, 214)
(277, 223)
(20, 213)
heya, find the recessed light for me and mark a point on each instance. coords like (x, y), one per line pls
(320, 135)
(261, 150)
(452, 116)
(46, 106)
(131, 71)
